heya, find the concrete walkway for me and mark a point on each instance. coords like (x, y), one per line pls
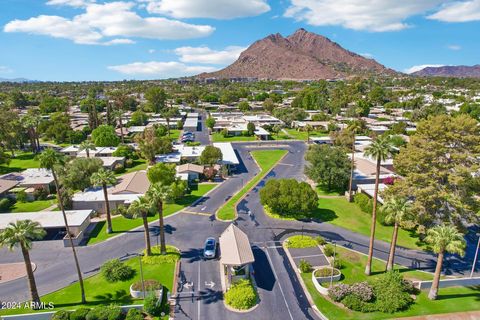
(470, 315)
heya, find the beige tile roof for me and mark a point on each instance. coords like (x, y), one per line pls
(190, 167)
(134, 182)
(6, 185)
(235, 247)
(369, 168)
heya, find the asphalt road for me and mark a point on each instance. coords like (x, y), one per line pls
(201, 135)
(280, 293)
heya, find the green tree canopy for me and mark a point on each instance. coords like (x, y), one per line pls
(105, 136)
(210, 155)
(162, 172)
(76, 174)
(328, 166)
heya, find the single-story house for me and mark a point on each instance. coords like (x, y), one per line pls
(32, 178)
(192, 171)
(7, 185)
(111, 162)
(236, 254)
(369, 190)
(53, 223)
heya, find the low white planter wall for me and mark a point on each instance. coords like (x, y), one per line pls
(328, 278)
(139, 294)
(317, 285)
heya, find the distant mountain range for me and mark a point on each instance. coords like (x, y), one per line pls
(19, 80)
(301, 56)
(450, 71)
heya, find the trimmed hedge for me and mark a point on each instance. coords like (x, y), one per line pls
(172, 256)
(114, 270)
(151, 305)
(305, 266)
(134, 314)
(105, 313)
(61, 315)
(300, 241)
(241, 295)
(364, 202)
(79, 314)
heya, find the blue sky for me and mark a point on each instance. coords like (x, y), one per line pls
(69, 40)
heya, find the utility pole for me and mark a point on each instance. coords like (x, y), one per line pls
(476, 255)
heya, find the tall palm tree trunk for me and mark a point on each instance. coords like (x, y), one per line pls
(352, 168)
(432, 295)
(107, 208)
(163, 248)
(88, 152)
(37, 139)
(393, 245)
(121, 129)
(148, 246)
(67, 228)
(368, 268)
(31, 279)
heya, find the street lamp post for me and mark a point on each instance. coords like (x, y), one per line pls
(139, 255)
(476, 255)
(333, 264)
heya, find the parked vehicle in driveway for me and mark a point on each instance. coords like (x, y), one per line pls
(210, 248)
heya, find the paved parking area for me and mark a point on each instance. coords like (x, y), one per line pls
(312, 255)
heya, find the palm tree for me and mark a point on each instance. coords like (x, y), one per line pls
(104, 178)
(119, 114)
(354, 127)
(308, 128)
(141, 208)
(87, 145)
(49, 159)
(380, 149)
(21, 233)
(169, 113)
(443, 238)
(158, 194)
(397, 210)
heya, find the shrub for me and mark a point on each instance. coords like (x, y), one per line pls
(114, 270)
(300, 241)
(40, 194)
(128, 163)
(6, 204)
(118, 168)
(364, 202)
(134, 314)
(152, 305)
(354, 302)
(305, 266)
(150, 285)
(381, 215)
(328, 250)
(22, 196)
(339, 291)
(337, 263)
(79, 314)
(61, 315)
(241, 295)
(391, 292)
(326, 272)
(320, 240)
(362, 290)
(105, 313)
(172, 256)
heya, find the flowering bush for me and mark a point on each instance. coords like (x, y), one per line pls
(339, 291)
(362, 290)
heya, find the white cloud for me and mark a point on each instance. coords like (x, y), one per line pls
(420, 67)
(71, 3)
(216, 9)
(459, 11)
(159, 69)
(151, 51)
(113, 19)
(374, 15)
(209, 56)
(367, 55)
(5, 69)
(454, 47)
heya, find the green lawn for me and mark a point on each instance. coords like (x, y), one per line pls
(175, 134)
(21, 161)
(324, 192)
(302, 135)
(455, 299)
(266, 159)
(100, 292)
(340, 212)
(218, 137)
(33, 206)
(139, 164)
(121, 224)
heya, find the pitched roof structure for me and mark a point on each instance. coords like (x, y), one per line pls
(235, 247)
(135, 182)
(190, 167)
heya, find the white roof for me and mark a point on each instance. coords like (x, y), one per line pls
(136, 129)
(109, 161)
(48, 219)
(72, 148)
(190, 122)
(228, 154)
(173, 157)
(31, 176)
(370, 188)
(96, 194)
(261, 132)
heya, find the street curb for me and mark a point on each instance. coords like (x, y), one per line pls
(251, 188)
(171, 215)
(300, 280)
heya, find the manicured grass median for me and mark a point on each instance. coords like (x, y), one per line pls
(266, 159)
(455, 299)
(100, 292)
(340, 212)
(302, 135)
(32, 206)
(21, 161)
(218, 137)
(121, 224)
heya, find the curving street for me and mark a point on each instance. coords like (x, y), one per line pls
(281, 294)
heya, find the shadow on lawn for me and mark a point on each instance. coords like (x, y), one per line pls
(476, 294)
